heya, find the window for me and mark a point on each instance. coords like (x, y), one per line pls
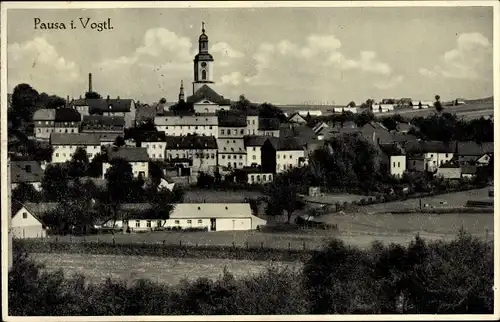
(253, 122)
(189, 221)
(242, 131)
(235, 131)
(200, 221)
(254, 157)
(148, 223)
(229, 156)
(241, 157)
(252, 178)
(213, 155)
(224, 148)
(254, 148)
(399, 164)
(25, 215)
(223, 156)
(137, 223)
(57, 155)
(290, 156)
(203, 74)
(258, 178)
(277, 156)
(222, 132)
(158, 223)
(210, 127)
(394, 164)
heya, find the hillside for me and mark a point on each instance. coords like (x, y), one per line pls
(486, 100)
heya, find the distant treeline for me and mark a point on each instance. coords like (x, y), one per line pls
(437, 277)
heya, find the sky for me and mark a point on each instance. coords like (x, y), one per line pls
(277, 55)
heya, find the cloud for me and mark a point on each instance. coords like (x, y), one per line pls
(314, 64)
(38, 63)
(225, 50)
(471, 59)
(233, 78)
(389, 83)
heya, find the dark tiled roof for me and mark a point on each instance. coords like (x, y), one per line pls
(20, 173)
(391, 149)
(130, 154)
(252, 112)
(400, 137)
(472, 148)
(231, 119)
(303, 132)
(259, 140)
(102, 121)
(38, 210)
(417, 147)
(469, 169)
(74, 139)
(79, 102)
(44, 114)
(269, 124)
(289, 144)
(206, 93)
(67, 115)
(450, 165)
(191, 142)
(109, 105)
(153, 136)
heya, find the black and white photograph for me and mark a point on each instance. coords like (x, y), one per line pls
(233, 160)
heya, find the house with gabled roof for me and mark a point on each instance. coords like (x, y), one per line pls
(297, 118)
(449, 170)
(113, 107)
(200, 152)
(155, 143)
(61, 120)
(394, 157)
(473, 153)
(269, 126)
(432, 153)
(103, 124)
(230, 142)
(27, 219)
(137, 158)
(207, 100)
(26, 172)
(64, 145)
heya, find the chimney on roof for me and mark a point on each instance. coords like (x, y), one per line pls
(90, 82)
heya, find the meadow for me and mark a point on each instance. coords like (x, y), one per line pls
(163, 270)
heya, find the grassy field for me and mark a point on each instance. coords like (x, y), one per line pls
(170, 271)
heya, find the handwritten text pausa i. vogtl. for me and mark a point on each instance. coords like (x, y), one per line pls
(85, 23)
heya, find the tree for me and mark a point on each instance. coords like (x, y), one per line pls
(55, 182)
(437, 104)
(24, 99)
(119, 141)
(119, 184)
(25, 192)
(364, 117)
(50, 101)
(283, 195)
(268, 110)
(92, 95)
(163, 100)
(79, 163)
(351, 104)
(390, 123)
(243, 104)
(95, 166)
(205, 180)
(182, 107)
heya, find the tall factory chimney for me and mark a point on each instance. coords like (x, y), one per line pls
(90, 82)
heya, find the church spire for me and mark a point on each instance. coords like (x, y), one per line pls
(181, 92)
(203, 40)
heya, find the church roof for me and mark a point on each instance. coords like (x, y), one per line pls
(205, 92)
(203, 57)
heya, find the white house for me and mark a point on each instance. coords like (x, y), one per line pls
(433, 153)
(65, 145)
(26, 222)
(395, 157)
(212, 216)
(288, 154)
(204, 124)
(155, 143)
(136, 157)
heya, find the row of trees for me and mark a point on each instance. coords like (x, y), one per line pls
(421, 278)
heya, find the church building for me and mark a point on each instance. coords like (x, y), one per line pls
(204, 98)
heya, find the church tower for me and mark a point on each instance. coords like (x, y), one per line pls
(203, 63)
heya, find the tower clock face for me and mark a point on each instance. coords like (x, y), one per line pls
(203, 64)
